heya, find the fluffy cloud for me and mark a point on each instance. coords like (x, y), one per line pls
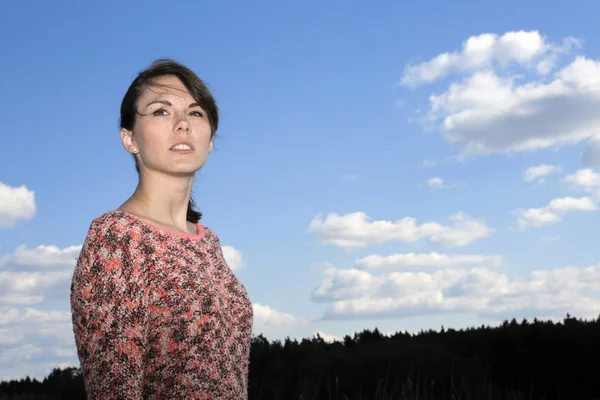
(14, 316)
(265, 316)
(438, 183)
(30, 276)
(34, 340)
(584, 178)
(27, 288)
(528, 49)
(553, 211)
(16, 203)
(358, 230)
(539, 171)
(354, 294)
(35, 320)
(420, 260)
(43, 256)
(233, 257)
(495, 109)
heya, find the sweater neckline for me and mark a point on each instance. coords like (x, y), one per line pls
(199, 229)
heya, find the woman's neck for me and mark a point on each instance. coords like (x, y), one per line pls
(163, 201)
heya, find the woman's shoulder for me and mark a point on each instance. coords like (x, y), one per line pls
(208, 234)
(113, 224)
(109, 235)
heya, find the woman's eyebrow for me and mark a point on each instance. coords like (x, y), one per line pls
(168, 103)
(165, 102)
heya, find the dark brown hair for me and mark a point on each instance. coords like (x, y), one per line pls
(196, 87)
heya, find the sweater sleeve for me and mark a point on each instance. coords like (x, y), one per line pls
(108, 309)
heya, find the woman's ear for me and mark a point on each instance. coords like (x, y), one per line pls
(127, 140)
(210, 146)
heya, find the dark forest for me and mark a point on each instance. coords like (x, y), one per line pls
(516, 360)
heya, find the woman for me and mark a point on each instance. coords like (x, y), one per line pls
(157, 313)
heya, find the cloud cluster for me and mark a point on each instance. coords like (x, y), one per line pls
(553, 211)
(412, 284)
(33, 337)
(540, 171)
(265, 316)
(355, 230)
(585, 179)
(16, 203)
(511, 95)
(437, 183)
(526, 49)
(424, 260)
(34, 341)
(487, 292)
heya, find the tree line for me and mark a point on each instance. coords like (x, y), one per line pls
(516, 360)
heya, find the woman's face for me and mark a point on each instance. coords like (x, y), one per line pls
(171, 134)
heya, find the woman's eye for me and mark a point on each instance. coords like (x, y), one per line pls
(196, 113)
(160, 111)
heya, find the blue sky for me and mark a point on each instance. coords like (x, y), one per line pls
(400, 166)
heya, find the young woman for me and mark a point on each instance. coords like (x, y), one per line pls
(157, 313)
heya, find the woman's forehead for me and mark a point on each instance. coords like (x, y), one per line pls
(165, 90)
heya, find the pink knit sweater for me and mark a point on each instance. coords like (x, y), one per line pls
(158, 315)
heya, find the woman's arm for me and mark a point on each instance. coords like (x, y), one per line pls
(108, 314)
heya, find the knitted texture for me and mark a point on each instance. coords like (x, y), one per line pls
(158, 315)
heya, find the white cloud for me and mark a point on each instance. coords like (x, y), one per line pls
(341, 284)
(64, 351)
(21, 353)
(13, 316)
(357, 230)
(497, 109)
(585, 178)
(539, 171)
(465, 230)
(265, 316)
(23, 287)
(420, 260)
(356, 294)
(30, 276)
(21, 299)
(43, 256)
(527, 49)
(428, 163)
(9, 336)
(553, 211)
(438, 183)
(32, 339)
(233, 257)
(435, 183)
(16, 203)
